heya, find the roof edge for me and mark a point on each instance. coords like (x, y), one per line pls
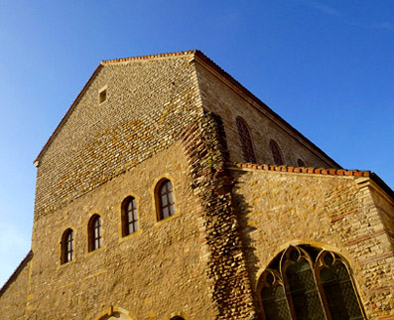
(67, 114)
(383, 185)
(151, 56)
(202, 57)
(312, 170)
(265, 107)
(102, 63)
(17, 271)
(291, 169)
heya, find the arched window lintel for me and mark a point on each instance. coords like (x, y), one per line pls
(164, 197)
(95, 232)
(67, 245)
(129, 216)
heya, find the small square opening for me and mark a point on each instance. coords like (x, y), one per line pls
(103, 96)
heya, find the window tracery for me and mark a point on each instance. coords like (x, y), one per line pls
(305, 282)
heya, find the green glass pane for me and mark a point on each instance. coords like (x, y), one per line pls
(303, 289)
(340, 296)
(275, 303)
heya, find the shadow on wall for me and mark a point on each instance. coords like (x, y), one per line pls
(116, 316)
(243, 208)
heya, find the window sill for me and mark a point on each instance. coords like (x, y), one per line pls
(90, 253)
(65, 264)
(129, 236)
(160, 222)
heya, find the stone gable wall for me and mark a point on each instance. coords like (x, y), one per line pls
(147, 102)
(228, 104)
(13, 299)
(384, 206)
(277, 209)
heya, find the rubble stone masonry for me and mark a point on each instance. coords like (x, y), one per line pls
(139, 120)
(277, 209)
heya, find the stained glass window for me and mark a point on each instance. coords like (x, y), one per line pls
(305, 282)
(273, 297)
(338, 290)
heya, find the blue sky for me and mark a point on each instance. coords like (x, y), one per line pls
(326, 67)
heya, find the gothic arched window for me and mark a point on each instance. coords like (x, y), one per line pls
(276, 153)
(67, 244)
(129, 216)
(95, 233)
(165, 199)
(305, 282)
(246, 141)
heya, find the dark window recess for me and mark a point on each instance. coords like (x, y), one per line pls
(103, 95)
(68, 246)
(95, 233)
(129, 216)
(300, 163)
(276, 153)
(166, 200)
(246, 141)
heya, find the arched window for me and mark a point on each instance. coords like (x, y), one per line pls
(165, 199)
(246, 141)
(177, 318)
(67, 244)
(305, 282)
(95, 233)
(129, 216)
(300, 163)
(276, 153)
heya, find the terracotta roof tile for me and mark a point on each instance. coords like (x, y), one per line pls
(311, 170)
(324, 171)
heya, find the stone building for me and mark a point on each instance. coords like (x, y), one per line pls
(169, 191)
